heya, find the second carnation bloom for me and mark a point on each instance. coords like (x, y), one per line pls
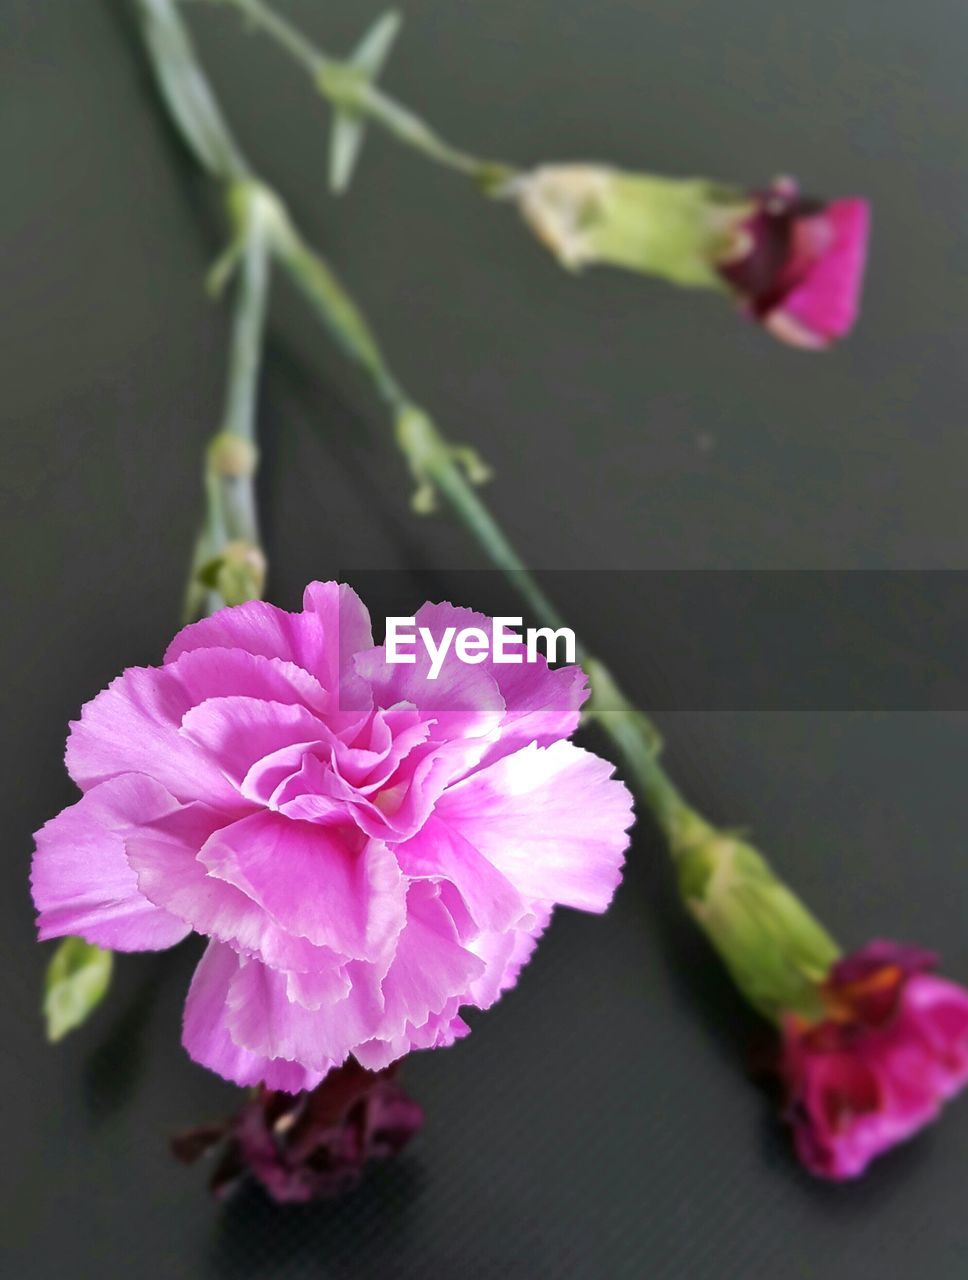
(366, 851)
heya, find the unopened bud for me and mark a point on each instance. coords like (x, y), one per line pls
(776, 951)
(667, 227)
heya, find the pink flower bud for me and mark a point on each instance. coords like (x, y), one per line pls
(798, 264)
(891, 1050)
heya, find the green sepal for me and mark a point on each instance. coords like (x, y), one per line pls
(777, 952)
(677, 229)
(660, 226)
(77, 978)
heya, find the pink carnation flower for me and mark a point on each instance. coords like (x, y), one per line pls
(892, 1050)
(799, 264)
(366, 850)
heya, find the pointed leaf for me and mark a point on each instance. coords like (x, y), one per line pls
(222, 270)
(371, 53)
(349, 130)
(77, 978)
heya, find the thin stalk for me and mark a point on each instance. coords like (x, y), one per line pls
(248, 328)
(228, 565)
(346, 87)
(282, 31)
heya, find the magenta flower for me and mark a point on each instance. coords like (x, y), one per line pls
(312, 1145)
(798, 265)
(892, 1050)
(367, 850)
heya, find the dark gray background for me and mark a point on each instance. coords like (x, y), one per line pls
(599, 1122)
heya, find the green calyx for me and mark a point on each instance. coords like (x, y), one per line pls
(674, 228)
(776, 951)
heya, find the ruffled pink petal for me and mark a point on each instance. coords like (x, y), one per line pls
(886, 1079)
(397, 810)
(463, 698)
(935, 1015)
(345, 622)
(825, 305)
(236, 733)
(400, 809)
(206, 1037)
(552, 820)
(430, 966)
(438, 1032)
(504, 956)
(438, 852)
(134, 726)
(412, 1004)
(81, 881)
(321, 989)
(266, 781)
(395, 732)
(263, 1018)
(170, 875)
(315, 793)
(841, 1122)
(542, 704)
(226, 673)
(257, 628)
(312, 882)
(290, 1077)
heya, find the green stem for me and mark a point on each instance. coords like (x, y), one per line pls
(282, 31)
(228, 565)
(248, 327)
(410, 129)
(466, 503)
(345, 86)
(436, 463)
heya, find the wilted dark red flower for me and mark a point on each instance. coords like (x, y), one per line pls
(309, 1145)
(891, 1050)
(798, 264)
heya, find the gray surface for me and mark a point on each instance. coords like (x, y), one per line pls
(599, 1121)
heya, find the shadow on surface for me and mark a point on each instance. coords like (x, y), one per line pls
(364, 1229)
(113, 1068)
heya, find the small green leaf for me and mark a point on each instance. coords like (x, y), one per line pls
(77, 977)
(345, 143)
(371, 53)
(349, 127)
(223, 269)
